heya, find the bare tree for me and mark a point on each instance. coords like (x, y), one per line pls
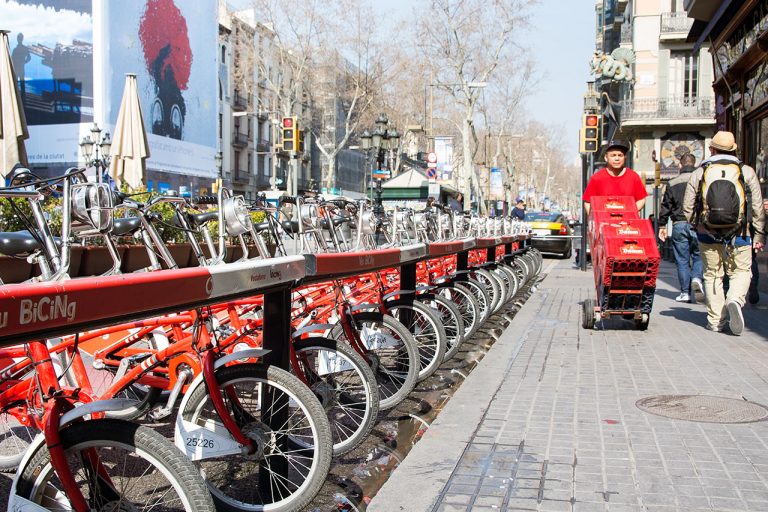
(347, 79)
(465, 40)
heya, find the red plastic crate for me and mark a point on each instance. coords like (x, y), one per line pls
(614, 204)
(625, 261)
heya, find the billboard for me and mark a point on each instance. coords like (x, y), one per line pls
(444, 152)
(171, 46)
(52, 53)
(496, 185)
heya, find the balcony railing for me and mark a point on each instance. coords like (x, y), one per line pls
(240, 102)
(672, 22)
(667, 108)
(239, 139)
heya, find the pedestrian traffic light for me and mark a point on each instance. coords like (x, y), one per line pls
(290, 134)
(590, 133)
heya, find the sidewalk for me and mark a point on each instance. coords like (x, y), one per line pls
(548, 420)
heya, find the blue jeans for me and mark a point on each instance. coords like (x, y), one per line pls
(687, 256)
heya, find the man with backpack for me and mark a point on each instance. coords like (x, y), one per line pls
(684, 242)
(723, 201)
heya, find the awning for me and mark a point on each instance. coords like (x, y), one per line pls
(713, 24)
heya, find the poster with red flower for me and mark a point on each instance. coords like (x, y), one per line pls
(171, 45)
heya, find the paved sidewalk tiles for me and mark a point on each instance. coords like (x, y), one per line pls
(558, 429)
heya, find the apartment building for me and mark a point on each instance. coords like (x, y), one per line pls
(255, 94)
(670, 108)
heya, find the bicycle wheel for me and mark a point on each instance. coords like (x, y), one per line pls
(345, 385)
(480, 294)
(290, 431)
(509, 281)
(138, 469)
(483, 277)
(428, 332)
(390, 351)
(501, 285)
(450, 316)
(15, 437)
(468, 309)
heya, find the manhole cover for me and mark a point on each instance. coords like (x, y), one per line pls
(702, 408)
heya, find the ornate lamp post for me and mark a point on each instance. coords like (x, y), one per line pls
(384, 142)
(96, 146)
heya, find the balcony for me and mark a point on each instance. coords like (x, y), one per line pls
(239, 102)
(239, 139)
(240, 176)
(262, 145)
(672, 110)
(675, 26)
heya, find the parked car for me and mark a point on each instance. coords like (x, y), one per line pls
(551, 232)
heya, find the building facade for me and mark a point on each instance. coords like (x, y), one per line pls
(736, 34)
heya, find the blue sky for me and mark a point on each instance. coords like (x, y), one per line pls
(562, 39)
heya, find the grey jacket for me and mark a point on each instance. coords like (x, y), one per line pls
(750, 180)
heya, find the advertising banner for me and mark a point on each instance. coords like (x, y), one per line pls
(52, 53)
(496, 185)
(444, 152)
(171, 46)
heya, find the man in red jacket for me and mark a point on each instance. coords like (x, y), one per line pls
(615, 179)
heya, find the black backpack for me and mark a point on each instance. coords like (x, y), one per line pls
(722, 199)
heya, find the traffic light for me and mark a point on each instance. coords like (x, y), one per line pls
(590, 133)
(290, 134)
(302, 133)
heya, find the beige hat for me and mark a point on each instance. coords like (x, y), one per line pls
(724, 141)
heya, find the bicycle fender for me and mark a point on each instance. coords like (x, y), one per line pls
(112, 404)
(401, 301)
(312, 328)
(249, 353)
(17, 503)
(366, 306)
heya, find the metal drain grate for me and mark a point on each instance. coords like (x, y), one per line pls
(703, 408)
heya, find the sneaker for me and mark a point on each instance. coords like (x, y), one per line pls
(714, 328)
(683, 297)
(697, 287)
(753, 296)
(735, 317)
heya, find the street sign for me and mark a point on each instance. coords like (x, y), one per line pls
(431, 165)
(432, 173)
(434, 190)
(432, 157)
(381, 174)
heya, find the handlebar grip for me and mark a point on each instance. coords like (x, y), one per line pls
(206, 200)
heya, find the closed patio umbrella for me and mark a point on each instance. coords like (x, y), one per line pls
(129, 145)
(13, 124)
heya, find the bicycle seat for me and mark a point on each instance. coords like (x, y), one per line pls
(196, 220)
(126, 226)
(290, 226)
(337, 221)
(18, 242)
(261, 226)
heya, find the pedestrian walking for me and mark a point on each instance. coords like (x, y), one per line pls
(615, 179)
(685, 245)
(723, 201)
(518, 212)
(456, 203)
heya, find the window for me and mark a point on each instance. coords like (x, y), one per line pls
(223, 54)
(250, 162)
(237, 163)
(683, 75)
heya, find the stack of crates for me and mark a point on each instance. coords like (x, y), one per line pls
(625, 257)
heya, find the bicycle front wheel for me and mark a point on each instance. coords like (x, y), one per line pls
(288, 427)
(117, 465)
(428, 332)
(345, 385)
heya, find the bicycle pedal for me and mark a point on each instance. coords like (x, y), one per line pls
(159, 413)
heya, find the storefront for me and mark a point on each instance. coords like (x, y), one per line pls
(738, 35)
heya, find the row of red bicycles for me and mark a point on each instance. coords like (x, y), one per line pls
(231, 384)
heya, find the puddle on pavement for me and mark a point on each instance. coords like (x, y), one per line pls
(357, 476)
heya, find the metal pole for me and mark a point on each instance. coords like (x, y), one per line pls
(586, 165)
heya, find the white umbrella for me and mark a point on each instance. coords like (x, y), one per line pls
(13, 124)
(129, 145)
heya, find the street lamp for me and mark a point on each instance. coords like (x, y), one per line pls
(382, 142)
(97, 146)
